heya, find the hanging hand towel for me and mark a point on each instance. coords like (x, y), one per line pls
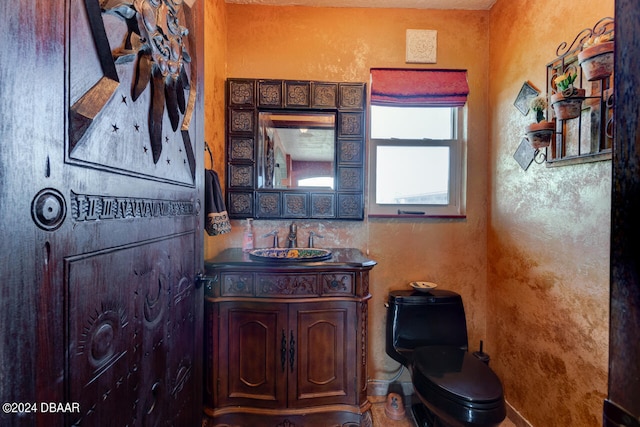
(217, 220)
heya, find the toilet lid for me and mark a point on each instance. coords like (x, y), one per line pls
(457, 373)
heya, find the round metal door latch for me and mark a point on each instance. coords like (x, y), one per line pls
(48, 209)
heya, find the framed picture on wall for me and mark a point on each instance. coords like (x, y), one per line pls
(525, 154)
(526, 94)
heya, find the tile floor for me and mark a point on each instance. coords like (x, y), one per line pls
(381, 420)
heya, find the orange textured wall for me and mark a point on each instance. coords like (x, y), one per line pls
(548, 234)
(342, 44)
(215, 75)
(531, 259)
(215, 39)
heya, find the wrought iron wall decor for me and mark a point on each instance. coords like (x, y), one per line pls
(132, 78)
(588, 137)
(247, 196)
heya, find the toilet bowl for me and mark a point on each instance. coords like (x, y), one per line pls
(427, 333)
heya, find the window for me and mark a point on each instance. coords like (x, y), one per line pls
(417, 157)
(412, 174)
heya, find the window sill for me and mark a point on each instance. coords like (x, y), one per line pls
(417, 216)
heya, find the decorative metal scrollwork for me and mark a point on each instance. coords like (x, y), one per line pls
(292, 351)
(601, 27)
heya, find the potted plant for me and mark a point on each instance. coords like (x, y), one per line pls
(567, 101)
(596, 58)
(539, 133)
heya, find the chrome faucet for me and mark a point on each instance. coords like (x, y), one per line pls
(274, 233)
(293, 236)
(311, 235)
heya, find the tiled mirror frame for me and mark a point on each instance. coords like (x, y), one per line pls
(245, 98)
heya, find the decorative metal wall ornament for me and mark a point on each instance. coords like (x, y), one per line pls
(156, 41)
(526, 94)
(524, 154)
(143, 51)
(160, 61)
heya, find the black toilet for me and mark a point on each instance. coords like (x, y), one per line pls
(427, 333)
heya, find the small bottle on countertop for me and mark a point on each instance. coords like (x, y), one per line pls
(247, 238)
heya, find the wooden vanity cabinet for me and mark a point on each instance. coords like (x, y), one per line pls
(286, 343)
(287, 355)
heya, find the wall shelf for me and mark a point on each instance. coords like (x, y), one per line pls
(588, 137)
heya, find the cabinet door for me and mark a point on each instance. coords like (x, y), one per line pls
(324, 368)
(252, 355)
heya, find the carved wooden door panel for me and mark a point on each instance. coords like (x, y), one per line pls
(131, 343)
(102, 151)
(253, 355)
(325, 363)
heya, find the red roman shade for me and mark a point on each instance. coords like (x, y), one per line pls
(419, 88)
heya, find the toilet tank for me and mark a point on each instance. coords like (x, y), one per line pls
(417, 319)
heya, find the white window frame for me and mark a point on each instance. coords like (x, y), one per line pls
(457, 174)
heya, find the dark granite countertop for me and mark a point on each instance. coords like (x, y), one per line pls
(340, 257)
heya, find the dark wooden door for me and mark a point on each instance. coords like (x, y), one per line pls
(253, 355)
(623, 404)
(101, 189)
(325, 362)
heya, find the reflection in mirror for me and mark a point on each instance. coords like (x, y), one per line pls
(296, 149)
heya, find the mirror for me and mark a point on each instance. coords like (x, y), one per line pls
(295, 149)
